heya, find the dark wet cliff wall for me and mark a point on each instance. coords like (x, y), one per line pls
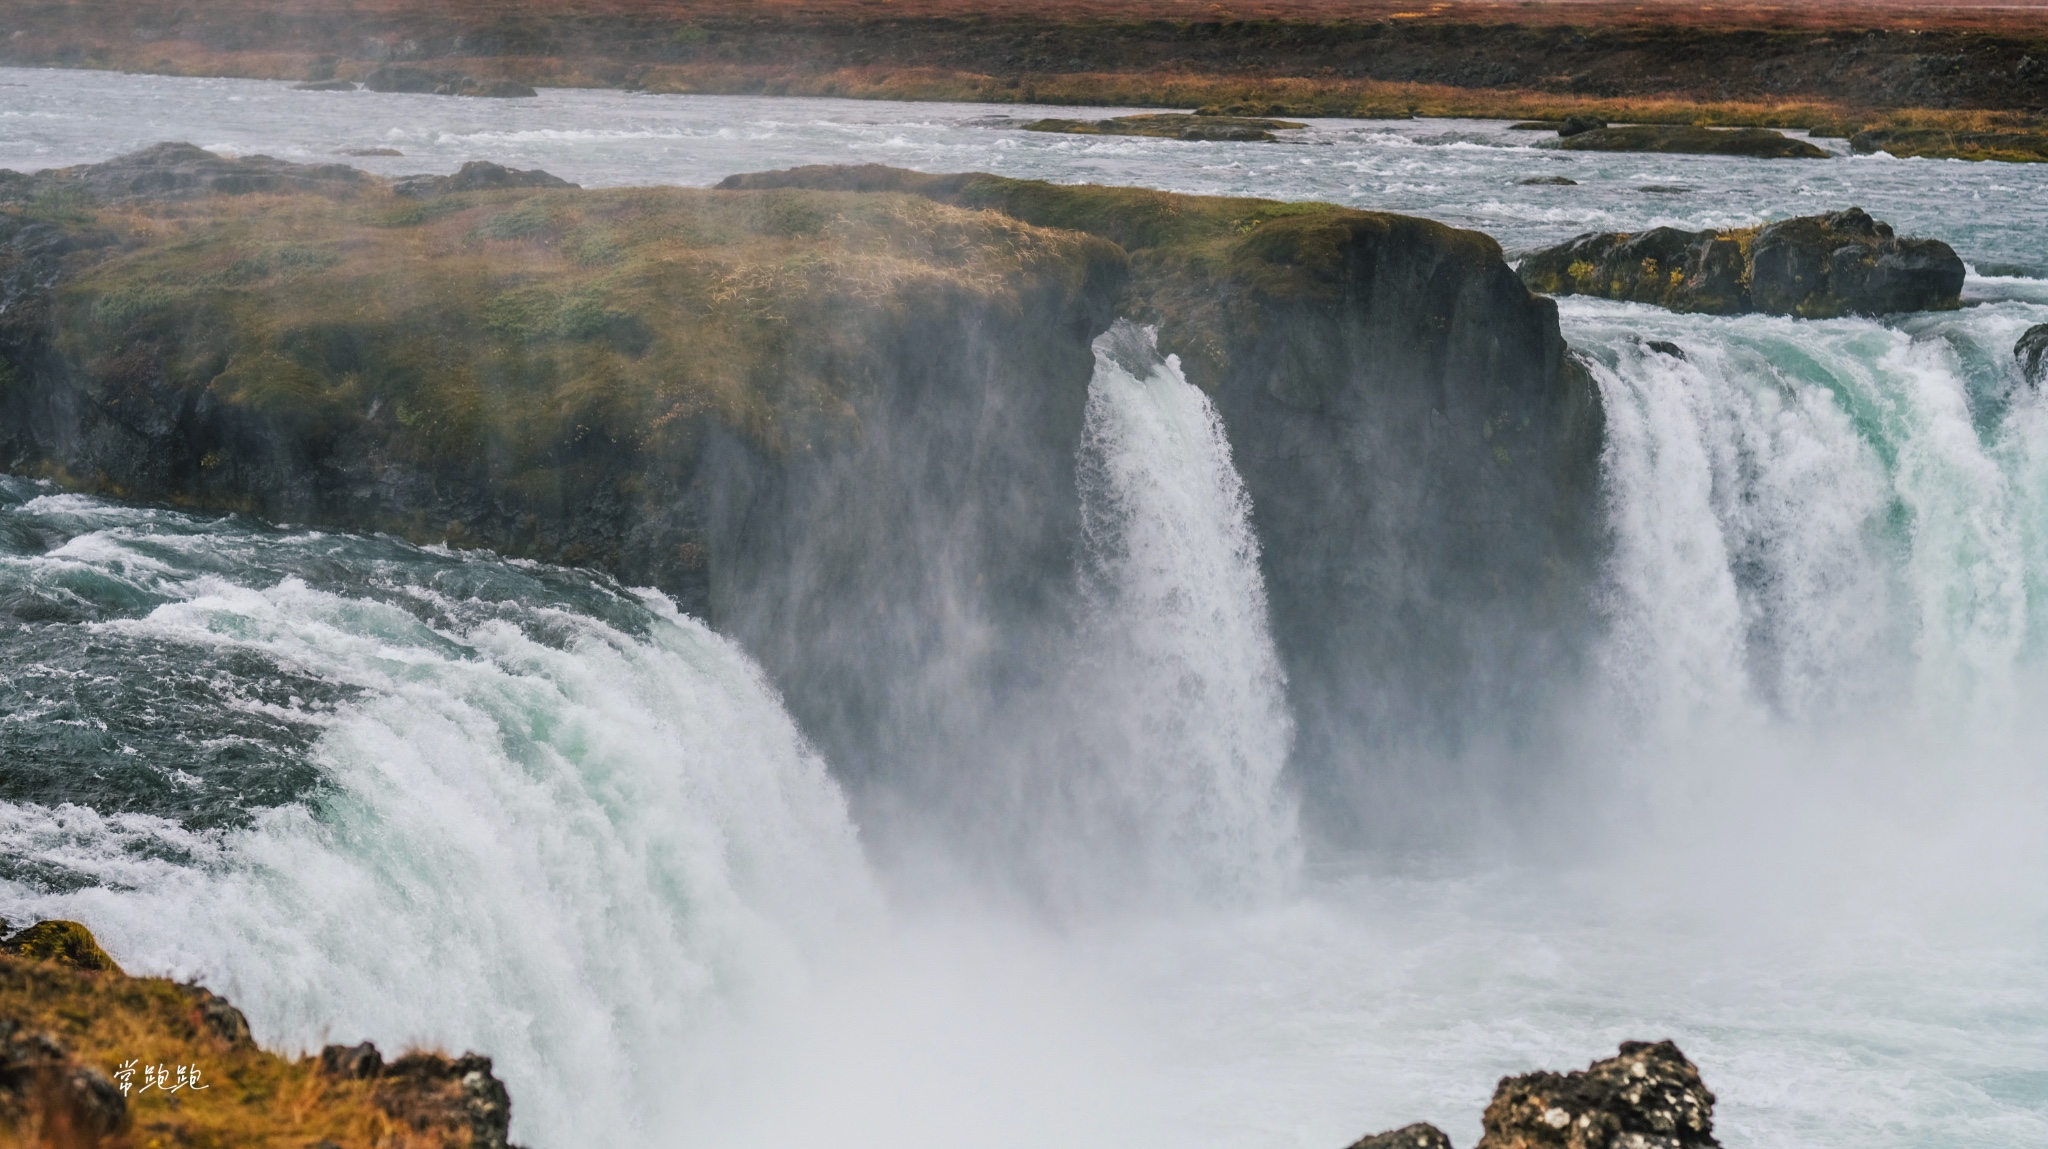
(1420, 451)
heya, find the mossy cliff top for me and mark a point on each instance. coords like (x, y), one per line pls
(1208, 270)
(74, 1030)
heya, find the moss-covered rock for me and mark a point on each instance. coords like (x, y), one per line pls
(78, 1047)
(1814, 267)
(2015, 146)
(1759, 143)
(66, 943)
(1174, 126)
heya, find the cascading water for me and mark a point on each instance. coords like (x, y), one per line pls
(552, 820)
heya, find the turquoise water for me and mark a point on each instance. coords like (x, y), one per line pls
(373, 790)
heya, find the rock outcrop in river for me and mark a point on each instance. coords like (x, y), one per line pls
(1649, 1096)
(2032, 353)
(1814, 267)
(834, 411)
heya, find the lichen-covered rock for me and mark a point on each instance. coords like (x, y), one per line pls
(1757, 143)
(176, 171)
(66, 943)
(1814, 267)
(1420, 1135)
(2032, 353)
(1647, 1097)
(476, 175)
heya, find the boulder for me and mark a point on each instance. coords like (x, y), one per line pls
(1579, 126)
(42, 1084)
(1647, 1097)
(1420, 1135)
(1814, 267)
(476, 175)
(2032, 353)
(429, 1091)
(352, 1062)
(1759, 143)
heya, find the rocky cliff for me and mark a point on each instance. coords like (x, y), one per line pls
(833, 410)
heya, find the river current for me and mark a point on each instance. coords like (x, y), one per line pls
(370, 790)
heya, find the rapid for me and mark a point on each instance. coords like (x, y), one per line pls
(374, 791)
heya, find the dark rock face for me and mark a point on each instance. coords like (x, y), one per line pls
(2032, 353)
(476, 175)
(352, 1062)
(1172, 126)
(1647, 1097)
(1758, 143)
(1421, 1135)
(173, 171)
(1814, 267)
(218, 1015)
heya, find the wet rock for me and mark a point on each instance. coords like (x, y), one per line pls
(429, 1091)
(1665, 347)
(1579, 126)
(1816, 267)
(73, 1103)
(1647, 1097)
(352, 1062)
(1173, 126)
(325, 86)
(1549, 181)
(2032, 353)
(178, 171)
(1759, 143)
(476, 175)
(66, 943)
(1420, 1135)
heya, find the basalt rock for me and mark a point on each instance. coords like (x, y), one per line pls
(2032, 354)
(1759, 143)
(1814, 267)
(476, 175)
(429, 1091)
(1647, 1097)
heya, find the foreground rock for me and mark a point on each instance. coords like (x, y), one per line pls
(2032, 353)
(1174, 126)
(476, 175)
(1647, 1097)
(172, 172)
(78, 1037)
(1760, 143)
(1814, 267)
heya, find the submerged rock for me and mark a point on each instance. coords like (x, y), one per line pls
(1549, 181)
(2032, 353)
(476, 175)
(1759, 143)
(1174, 126)
(1647, 1097)
(1815, 267)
